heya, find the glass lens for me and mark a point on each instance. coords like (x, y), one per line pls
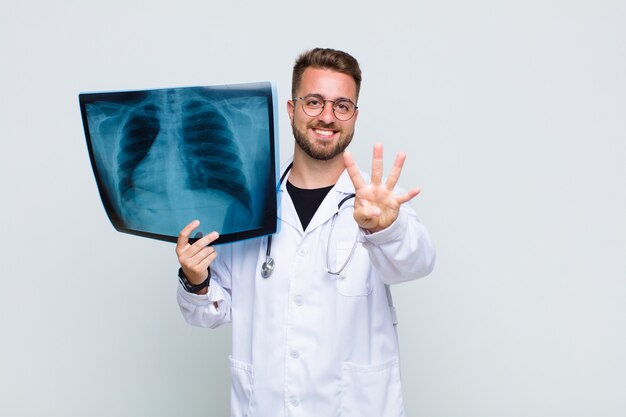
(313, 102)
(313, 105)
(343, 109)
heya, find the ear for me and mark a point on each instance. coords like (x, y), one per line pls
(291, 107)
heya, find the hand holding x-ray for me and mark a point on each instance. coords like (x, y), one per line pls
(195, 258)
(375, 205)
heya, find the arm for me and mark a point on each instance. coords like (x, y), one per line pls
(403, 251)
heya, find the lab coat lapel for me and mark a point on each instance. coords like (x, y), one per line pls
(288, 214)
(328, 207)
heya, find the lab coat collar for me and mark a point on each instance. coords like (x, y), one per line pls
(327, 208)
(344, 183)
(287, 212)
(330, 205)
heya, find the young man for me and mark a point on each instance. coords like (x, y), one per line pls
(316, 335)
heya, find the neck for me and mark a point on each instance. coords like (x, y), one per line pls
(309, 173)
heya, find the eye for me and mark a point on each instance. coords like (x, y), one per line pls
(343, 106)
(312, 102)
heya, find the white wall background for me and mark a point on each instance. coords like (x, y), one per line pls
(513, 114)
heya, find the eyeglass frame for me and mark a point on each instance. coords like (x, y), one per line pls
(323, 100)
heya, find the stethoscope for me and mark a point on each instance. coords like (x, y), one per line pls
(268, 266)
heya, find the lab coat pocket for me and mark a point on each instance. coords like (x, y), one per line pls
(241, 374)
(371, 390)
(353, 281)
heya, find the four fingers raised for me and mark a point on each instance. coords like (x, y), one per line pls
(377, 171)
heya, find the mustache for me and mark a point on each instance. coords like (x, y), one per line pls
(323, 125)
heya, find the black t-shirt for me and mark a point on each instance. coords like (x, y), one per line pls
(306, 201)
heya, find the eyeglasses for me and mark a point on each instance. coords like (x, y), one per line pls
(313, 105)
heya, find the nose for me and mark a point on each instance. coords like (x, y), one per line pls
(327, 115)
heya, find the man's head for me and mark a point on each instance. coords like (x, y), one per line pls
(324, 58)
(329, 80)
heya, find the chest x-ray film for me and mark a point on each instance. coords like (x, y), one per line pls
(164, 157)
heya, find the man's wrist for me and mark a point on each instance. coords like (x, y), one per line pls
(193, 288)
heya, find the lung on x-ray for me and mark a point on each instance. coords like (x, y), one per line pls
(164, 157)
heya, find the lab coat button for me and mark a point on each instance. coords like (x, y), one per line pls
(299, 300)
(294, 402)
(302, 251)
(295, 354)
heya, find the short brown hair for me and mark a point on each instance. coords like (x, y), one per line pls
(325, 58)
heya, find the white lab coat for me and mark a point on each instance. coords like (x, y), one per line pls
(304, 342)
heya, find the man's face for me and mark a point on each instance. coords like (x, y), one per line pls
(323, 136)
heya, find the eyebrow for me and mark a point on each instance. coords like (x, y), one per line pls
(324, 98)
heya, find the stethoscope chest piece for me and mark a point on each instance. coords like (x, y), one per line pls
(267, 267)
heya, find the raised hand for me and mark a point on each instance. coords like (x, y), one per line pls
(195, 259)
(375, 205)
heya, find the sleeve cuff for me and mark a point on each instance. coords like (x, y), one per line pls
(395, 231)
(215, 294)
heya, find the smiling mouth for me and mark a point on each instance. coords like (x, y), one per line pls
(323, 132)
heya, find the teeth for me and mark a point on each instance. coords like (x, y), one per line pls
(324, 132)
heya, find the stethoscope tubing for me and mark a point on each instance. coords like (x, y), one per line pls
(268, 265)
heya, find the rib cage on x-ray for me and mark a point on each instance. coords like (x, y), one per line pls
(137, 137)
(165, 157)
(210, 140)
(208, 151)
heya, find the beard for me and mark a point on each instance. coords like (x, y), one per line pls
(322, 152)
